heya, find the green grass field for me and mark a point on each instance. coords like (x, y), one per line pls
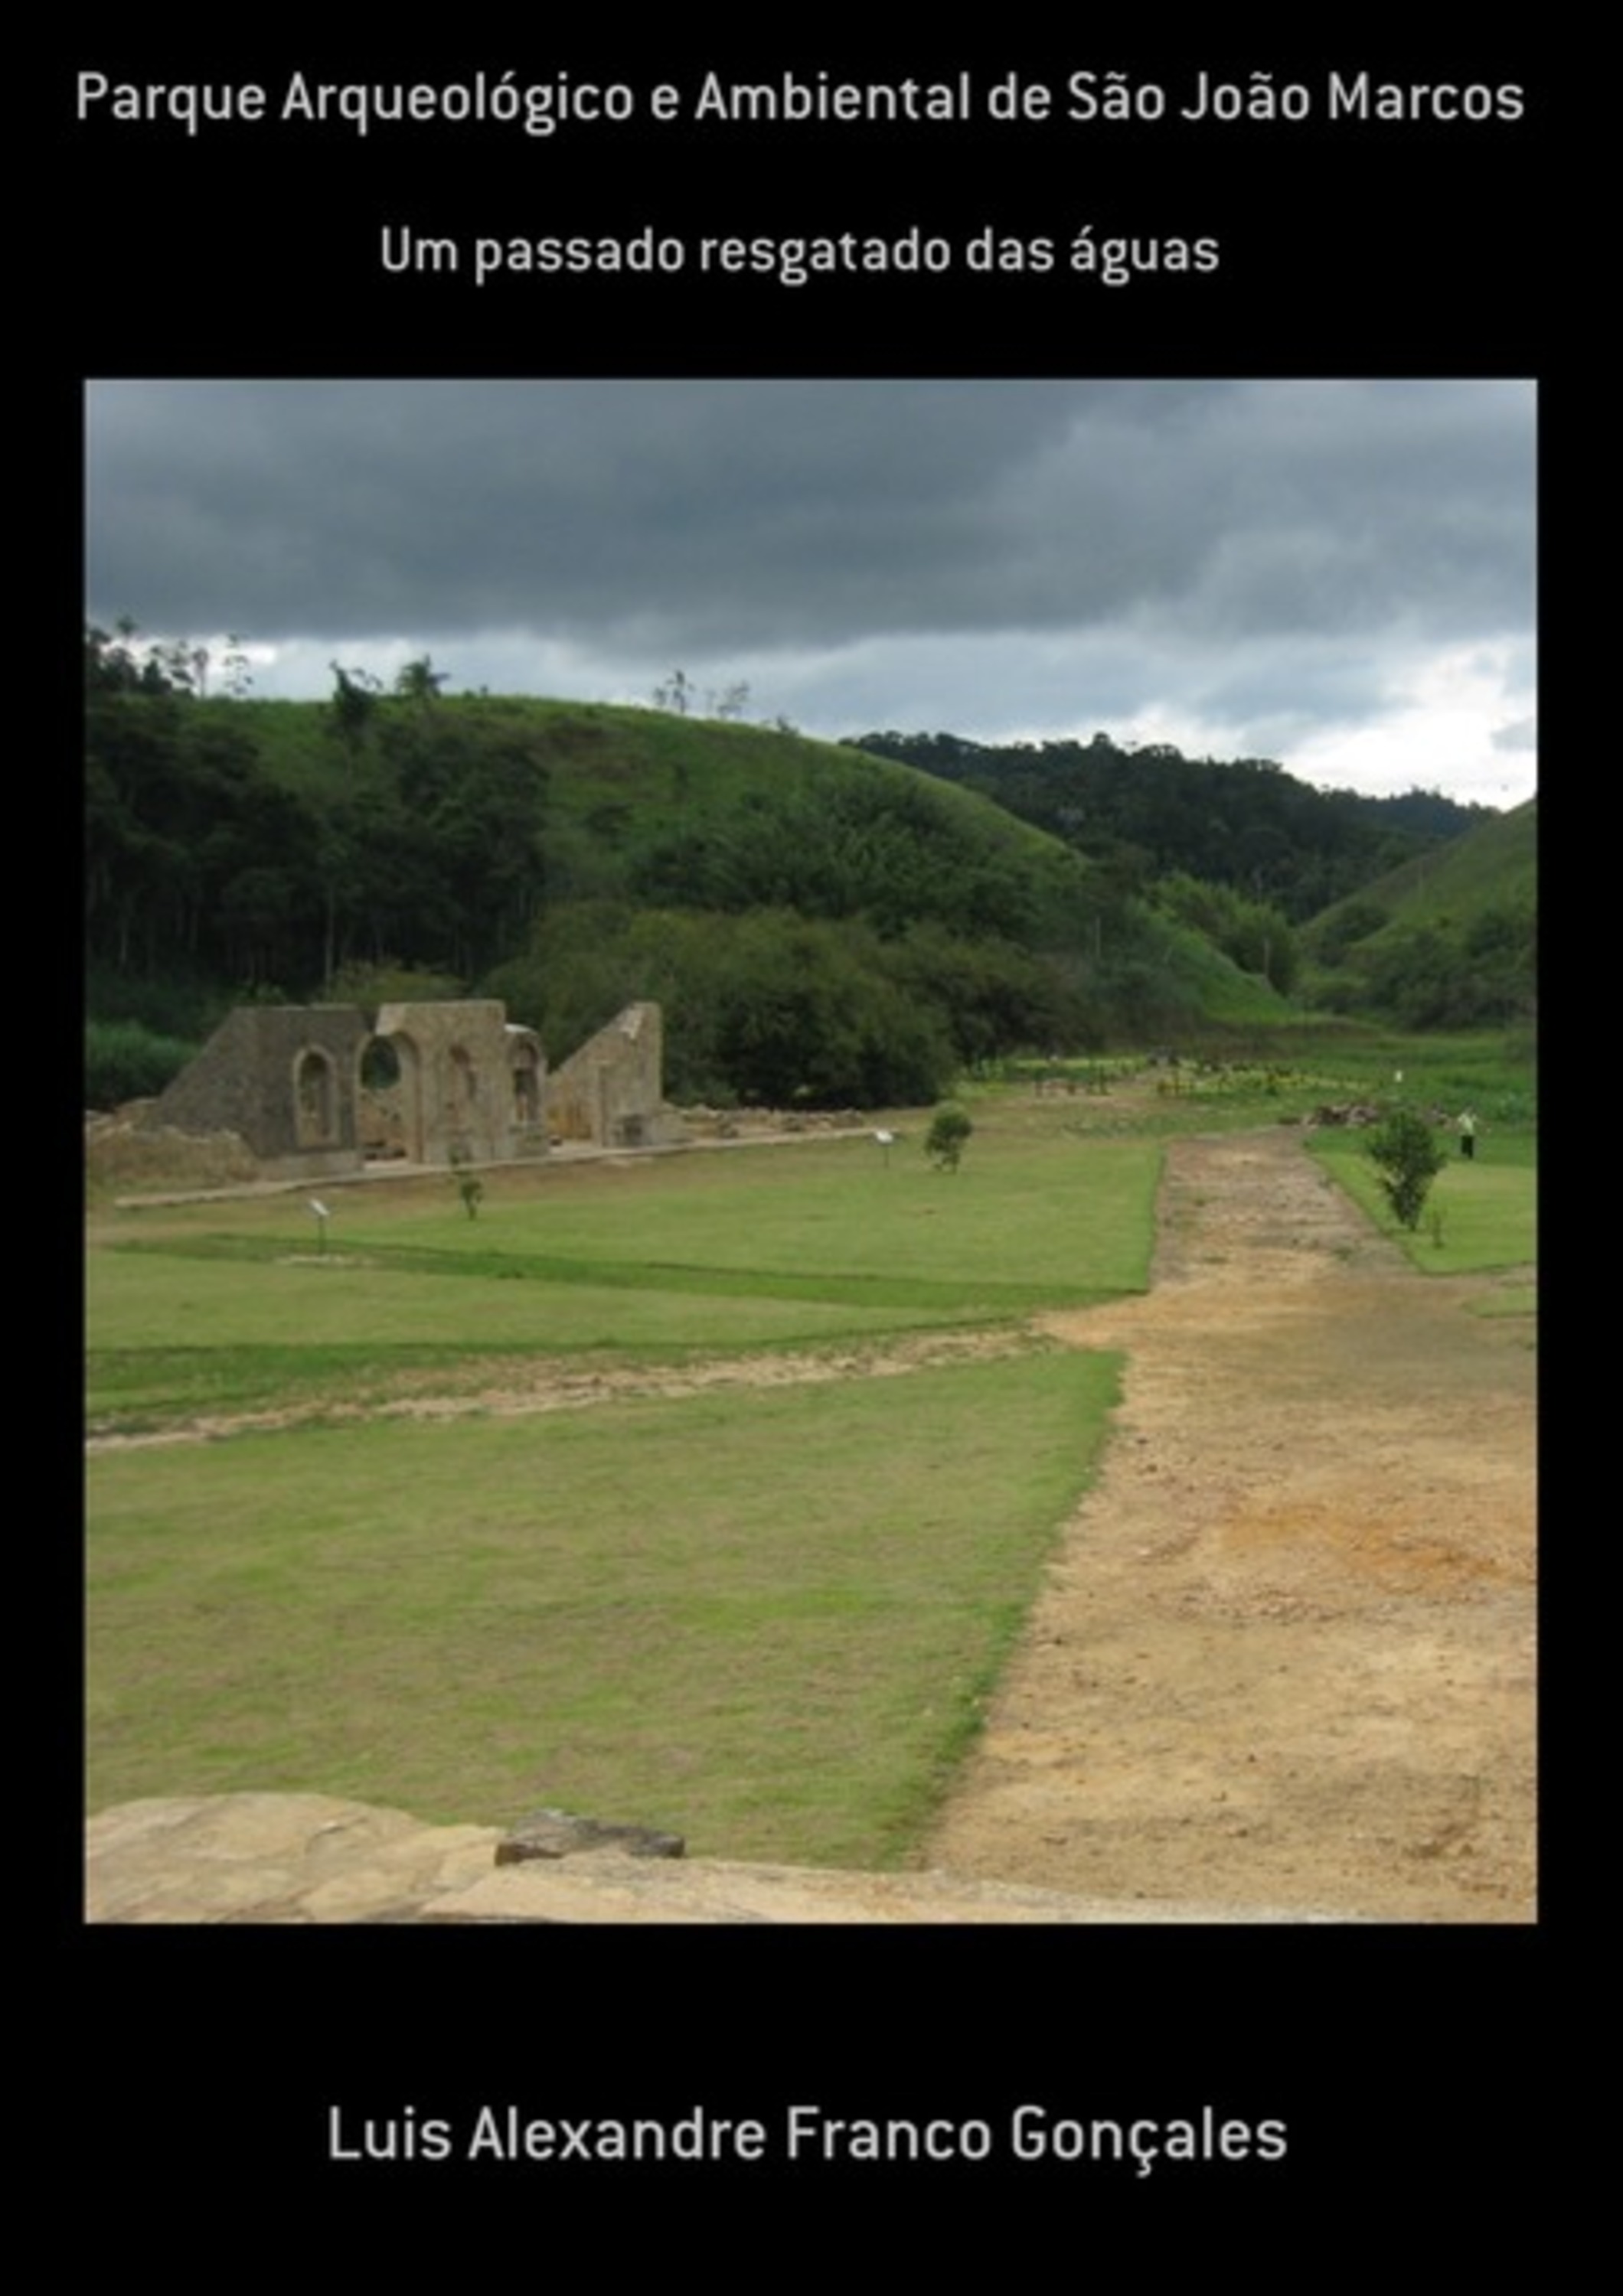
(765, 1619)
(1479, 1216)
(762, 1613)
(215, 1306)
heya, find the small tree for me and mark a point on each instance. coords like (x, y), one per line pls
(353, 705)
(234, 667)
(948, 1133)
(730, 702)
(469, 1186)
(420, 682)
(1409, 1156)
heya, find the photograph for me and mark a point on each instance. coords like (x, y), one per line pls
(799, 1245)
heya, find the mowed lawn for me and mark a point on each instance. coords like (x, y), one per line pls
(764, 1615)
(765, 1620)
(1479, 1214)
(217, 1306)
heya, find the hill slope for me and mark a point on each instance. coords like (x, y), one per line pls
(822, 924)
(1448, 939)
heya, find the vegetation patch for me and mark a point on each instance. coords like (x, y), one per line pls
(1480, 1215)
(1407, 1155)
(769, 1624)
(823, 926)
(124, 1059)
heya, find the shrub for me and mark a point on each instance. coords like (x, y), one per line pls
(1409, 1156)
(124, 1060)
(949, 1132)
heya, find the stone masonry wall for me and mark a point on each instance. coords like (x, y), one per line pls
(459, 1093)
(470, 1086)
(612, 1091)
(284, 1078)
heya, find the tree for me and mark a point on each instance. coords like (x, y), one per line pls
(469, 1186)
(353, 705)
(233, 666)
(114, 666)
(420, 682)
(1408, 1156)
(948, 1136)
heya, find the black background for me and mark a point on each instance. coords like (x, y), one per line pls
(1347, 247)
(1410, 2066)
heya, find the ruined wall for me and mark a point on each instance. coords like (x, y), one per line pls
(283, 1078)
(464, 1084)
(469, 1087)
(612, 1092)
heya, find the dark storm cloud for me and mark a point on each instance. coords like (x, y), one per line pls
(759, 512)
(766, 514)
(1239, 567)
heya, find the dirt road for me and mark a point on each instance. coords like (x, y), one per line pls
(1287, 1652)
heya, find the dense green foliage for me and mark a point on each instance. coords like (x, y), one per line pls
(774, 1008)
(419, 838)
(1148, 812)
(822, 927)
(124, 1059)
(1254, 935)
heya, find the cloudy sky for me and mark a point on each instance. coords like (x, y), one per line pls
(1335, 575)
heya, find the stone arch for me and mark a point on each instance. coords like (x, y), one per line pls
(528, 1100)
(408, 1130)
(380, 1064)
(315, 1098)
(381, 1098)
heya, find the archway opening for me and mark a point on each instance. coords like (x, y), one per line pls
(315, 1099)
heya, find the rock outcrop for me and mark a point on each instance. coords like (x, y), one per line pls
(269, 1858)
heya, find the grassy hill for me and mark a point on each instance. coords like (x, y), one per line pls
(1448, 939)
(646, 805)
(1490, 866)
(822, 924)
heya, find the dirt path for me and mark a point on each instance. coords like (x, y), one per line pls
(1287, 1652)
(528, 1385)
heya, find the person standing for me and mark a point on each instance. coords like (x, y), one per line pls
(1468, 1135)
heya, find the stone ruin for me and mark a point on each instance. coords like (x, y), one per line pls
(610, 1091)
(317, 1090)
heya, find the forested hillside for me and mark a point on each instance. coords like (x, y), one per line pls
(1150, 812)
(821, 925)
(1449, 940)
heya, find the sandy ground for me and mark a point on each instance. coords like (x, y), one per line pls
(1286, 1653)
